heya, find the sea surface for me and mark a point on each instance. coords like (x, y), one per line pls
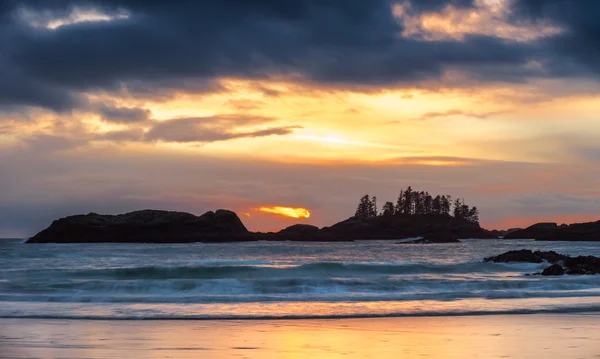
(263, 280)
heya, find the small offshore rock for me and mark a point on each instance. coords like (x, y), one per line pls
(555, 269)
(520, 256)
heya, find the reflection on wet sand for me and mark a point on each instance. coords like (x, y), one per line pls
(517, 336)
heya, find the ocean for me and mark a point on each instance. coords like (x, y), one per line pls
(284, 280)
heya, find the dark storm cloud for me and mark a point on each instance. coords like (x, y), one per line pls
(340, 42)
(577, 49)
(20, 89)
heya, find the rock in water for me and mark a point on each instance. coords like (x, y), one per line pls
(582, 265)
(145, 226)
(550, 256)
(523, 255)
(555, 269)
(562, 263)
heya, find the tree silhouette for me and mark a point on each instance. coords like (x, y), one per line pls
(400, 203)
(388, 209)
(427, 203)
(436, 205)
(408, 201)
(419, 202)
(458, 209)
(366, 207)
(373, 208)
(445, 204)
(411, 202)
(473, 215)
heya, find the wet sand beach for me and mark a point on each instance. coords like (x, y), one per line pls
(537, 336)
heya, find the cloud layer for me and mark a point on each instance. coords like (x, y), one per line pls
(338, 42)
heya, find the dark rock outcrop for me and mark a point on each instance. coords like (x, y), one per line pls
(552, 232)
(582, 265)
(145, 226)
(527, 256)
(519, 256)
(438, 228)
(561, 263)
(442, 237)
(555, 269)
(300, 233)
(531, 232)
(550, 256)
(300, 230)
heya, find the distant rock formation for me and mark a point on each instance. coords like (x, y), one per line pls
(398, 227)
(526, 256)
(225, 226)
(498, 232)
(501, 233)
(553, 232)
(531, 232)
(145, 226)
(561, 264)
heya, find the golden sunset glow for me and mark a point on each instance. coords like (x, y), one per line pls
(287, 211)
(465, 97)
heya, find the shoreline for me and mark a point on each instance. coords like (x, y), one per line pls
(582, 311)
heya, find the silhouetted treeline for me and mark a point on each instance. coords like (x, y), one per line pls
(412, 202)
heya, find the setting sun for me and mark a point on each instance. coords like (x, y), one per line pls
(287, 211)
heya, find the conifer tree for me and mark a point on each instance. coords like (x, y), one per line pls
(445, 204)
(473, 215)
(400, 203)
(388, 209)
(428, 203)
(373, 207)
(408, 201)
(436, 205)
(364, 207)
(458, 209)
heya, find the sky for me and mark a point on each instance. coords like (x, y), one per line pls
(288, 111)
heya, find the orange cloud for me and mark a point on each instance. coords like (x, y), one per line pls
(287, 211)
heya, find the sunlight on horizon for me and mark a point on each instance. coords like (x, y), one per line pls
(287, 211)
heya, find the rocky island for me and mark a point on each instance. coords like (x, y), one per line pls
(416, 215)
(553, 232)
(150, 226)
(153, 226)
